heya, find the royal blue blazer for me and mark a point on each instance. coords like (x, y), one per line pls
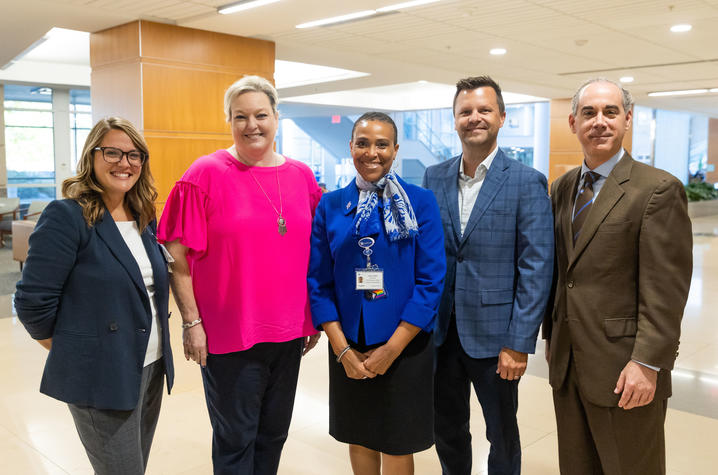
(499, 272)
(82, 287)
(414, 268)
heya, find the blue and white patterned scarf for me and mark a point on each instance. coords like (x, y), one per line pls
(399, 218)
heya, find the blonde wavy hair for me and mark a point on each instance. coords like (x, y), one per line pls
(87, 191)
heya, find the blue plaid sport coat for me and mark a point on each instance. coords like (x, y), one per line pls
(499, 272)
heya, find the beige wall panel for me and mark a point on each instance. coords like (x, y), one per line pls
(564, 148)
(171, 156)
(712, 177)
(200, 47)
(115, 91)
(561, 162)
(117, 44)
(180, 99)
(628, 139)
(561, 138)
(560, 109)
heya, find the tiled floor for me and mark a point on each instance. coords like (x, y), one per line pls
(37, 435)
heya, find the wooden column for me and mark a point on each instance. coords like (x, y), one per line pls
(712, 177)
(170, 82)
(565, 150)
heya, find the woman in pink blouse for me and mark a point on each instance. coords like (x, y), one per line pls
(238, 225)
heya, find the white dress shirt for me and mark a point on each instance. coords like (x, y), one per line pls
(469, 187)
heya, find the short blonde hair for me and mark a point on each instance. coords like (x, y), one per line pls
(249, 84)
(86, 189)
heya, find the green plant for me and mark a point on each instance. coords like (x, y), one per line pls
(701, 191)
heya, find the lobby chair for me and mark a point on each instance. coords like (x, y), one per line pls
(8, 212)
(35, 210)
(21, 231)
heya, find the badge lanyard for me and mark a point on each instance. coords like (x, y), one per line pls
(371, 277)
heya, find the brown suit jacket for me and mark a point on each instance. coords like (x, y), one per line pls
(619, 293)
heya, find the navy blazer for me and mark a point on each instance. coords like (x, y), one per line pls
(499, 272)
(414, 268)
(82, 287)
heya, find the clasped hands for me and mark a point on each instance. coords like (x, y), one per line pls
(358, 365)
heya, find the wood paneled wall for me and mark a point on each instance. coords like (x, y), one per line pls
(712, 177)
(170, 82)
(564, 148)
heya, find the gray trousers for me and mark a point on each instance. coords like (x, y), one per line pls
(118, 442)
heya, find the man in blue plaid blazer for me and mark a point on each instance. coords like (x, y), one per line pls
(499, 244)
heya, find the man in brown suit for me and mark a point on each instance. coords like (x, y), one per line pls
(623, 269)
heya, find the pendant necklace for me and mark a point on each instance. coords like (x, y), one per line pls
(281, 222)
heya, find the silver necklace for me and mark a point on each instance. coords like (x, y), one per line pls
(281, 222)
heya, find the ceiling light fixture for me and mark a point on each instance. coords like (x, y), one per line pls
(497, 51)
(243, 5)
(337, 19)
(626, 79)
(364, 13)
(682, 28)
(715, 89)
(401, 6)
(686, 92)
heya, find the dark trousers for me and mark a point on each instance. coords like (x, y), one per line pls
(455, 373)
(250, 397)
(594, 440)
(118, 442)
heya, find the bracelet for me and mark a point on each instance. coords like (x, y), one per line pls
(192, 323)
(339, 358)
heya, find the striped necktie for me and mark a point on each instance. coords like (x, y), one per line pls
(583, 203)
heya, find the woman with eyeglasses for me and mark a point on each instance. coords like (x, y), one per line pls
(94, 292)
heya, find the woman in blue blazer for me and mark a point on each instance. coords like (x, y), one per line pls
(94, 292)
(376, 274)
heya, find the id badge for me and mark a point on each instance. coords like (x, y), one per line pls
(369, 279)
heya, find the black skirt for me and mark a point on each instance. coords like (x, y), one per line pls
(392, 413)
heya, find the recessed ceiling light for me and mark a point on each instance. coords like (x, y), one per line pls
(626, 79)
(243, 5)
(682, 28)
(686, 92)
(497, 51)
(715, 89)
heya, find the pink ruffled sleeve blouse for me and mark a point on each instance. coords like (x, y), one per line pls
(250, 282)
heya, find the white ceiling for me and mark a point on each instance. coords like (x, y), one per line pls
(553, 45)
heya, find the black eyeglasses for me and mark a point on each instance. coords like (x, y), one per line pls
(114, 155)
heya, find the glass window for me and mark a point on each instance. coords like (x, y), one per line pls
(29, 142)
(80, 123)
(27, 194)
(644, 133)
(698, 144)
